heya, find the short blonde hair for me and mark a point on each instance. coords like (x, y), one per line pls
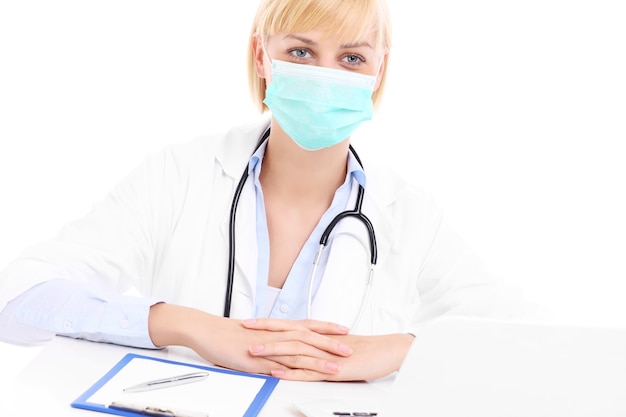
(352, 19)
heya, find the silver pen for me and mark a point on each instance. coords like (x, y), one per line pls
(168, 382)
(153, 411)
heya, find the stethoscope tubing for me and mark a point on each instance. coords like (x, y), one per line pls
(230, 277)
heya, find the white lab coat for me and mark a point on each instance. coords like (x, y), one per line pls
(164, 230)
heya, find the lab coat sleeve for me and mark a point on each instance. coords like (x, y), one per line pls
(103, 254)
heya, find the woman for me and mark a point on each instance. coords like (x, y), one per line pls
(319, 67)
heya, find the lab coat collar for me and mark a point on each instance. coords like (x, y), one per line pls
(234, 151)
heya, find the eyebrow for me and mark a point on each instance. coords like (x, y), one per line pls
(313, 43)
(357, 45)
(300, 38)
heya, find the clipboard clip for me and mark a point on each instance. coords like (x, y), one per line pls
(152, 411)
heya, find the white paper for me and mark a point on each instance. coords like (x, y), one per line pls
(220, 394)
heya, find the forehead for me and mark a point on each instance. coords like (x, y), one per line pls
(350, 21)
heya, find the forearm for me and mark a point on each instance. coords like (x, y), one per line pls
(220, 341)
(174, 325)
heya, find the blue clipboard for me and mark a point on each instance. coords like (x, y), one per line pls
(263, 385)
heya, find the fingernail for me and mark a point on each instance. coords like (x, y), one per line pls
(277, 372)
(257, 349)
(333, 367)
(343, 329)
(345, 348)
(249, 322)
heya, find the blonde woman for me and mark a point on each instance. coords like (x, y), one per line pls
(221, 236)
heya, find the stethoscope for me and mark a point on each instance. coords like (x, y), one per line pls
(356, 213)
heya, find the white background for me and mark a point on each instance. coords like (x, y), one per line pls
(512, 113)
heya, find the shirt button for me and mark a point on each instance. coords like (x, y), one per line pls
(67, 325)
(124, 323)
(284, 308)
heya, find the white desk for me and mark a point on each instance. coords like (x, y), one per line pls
(67, 367)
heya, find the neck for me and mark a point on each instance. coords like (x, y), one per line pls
(302, 176)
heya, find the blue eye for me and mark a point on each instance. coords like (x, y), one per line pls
(300, 53)
(353, 59)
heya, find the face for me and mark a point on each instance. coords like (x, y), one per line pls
(321, 49)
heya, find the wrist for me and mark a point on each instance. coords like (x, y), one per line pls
(173, 325)
(405, 340)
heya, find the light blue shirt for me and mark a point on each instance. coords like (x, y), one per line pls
(67, 308)
(292, 300)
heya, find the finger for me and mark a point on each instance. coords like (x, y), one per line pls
(257, 365)
(302, 342)
(301, 375)
(322, 327)
(315, 365)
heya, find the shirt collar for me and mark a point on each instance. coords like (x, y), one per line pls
(355, 170)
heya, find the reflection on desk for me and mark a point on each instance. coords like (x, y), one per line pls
(66, 367)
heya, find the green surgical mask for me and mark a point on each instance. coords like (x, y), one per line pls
(318, 107)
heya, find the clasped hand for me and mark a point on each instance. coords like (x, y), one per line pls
(312, 350)
(305, 350)
(299, 349)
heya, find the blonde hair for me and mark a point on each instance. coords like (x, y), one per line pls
(352, 19)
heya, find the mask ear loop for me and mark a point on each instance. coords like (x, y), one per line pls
(380, 65)
(265, 54)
